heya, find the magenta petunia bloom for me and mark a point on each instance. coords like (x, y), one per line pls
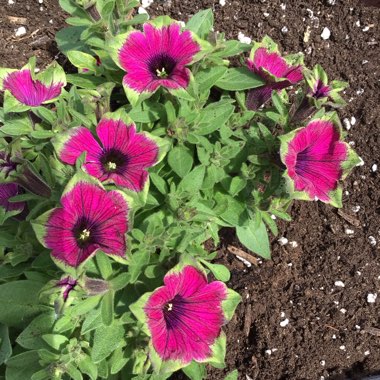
(157, 57)
(29, 91)
(275, 71)
(121, 157)
(9, 190)
(185, 316)
(90, 219)
(314, 159)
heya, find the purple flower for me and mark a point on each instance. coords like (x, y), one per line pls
(157, 57)
(67, 284)
(320, 90)
(9, 190)
(185, 315)
(7, 165)
(316, 159)
(29, 91)
(121, 157)
(275, 71)
(90, 219)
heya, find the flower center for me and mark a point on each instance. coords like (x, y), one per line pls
(321, 90)
(162, 66)
(84, 232)
(113, 160)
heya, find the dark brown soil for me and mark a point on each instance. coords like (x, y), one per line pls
(332, 331)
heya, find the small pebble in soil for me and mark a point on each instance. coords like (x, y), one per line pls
(356, 208)
(374, 167)
(348, 231)
(222, 2)
(371, 297)
(366, 353)
(360, 91)
(347, 124)
(372, 240)
(21, 31)
(284, 323)
(244, 39)
(339, 284)
(326, 33)
(323, 363)
(284, 30)
(343, 348)
(283, 240)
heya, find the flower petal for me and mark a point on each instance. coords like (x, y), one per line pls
(9, 190)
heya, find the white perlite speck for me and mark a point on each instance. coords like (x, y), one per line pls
(365, 29)
(372, 240)
(284, 30)
(374, 167)
(244, 39)
(343, 310)
(293, 244)
(366, 353)
(347, 124)
(222, 2)
(283, 240)
(11, 2)
(243, 260)
(353, 120)
(284, 323)
(348, 231)
(371, 297)
(326, 33)
(339, 284)
(356, 209)
(141, 11)
(21, 31)
(343, 348)
(357, 327)
(146, 3)
(283, 6)
(323, 363)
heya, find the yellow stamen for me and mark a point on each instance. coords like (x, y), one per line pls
(85, 234)
(161, 73)
(111, 166)
(170, 307)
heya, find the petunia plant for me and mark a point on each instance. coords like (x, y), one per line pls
(115, 175)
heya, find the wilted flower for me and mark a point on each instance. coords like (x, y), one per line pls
(122, 157)
(157, 57)
(33, 90)
(185, 316)
(273, 69)
(316, 159)
(9, 190)
(90, 219)
(7, 165)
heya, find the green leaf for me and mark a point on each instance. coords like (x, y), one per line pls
(106, 340)
(195, 371)
(85, 81)
(220, 272)
(5, 344)
(69, 38)
(255, 239)
(159, 182)
(73, 372)
(138, 261)
(214, 116)
(55, 341)
(232, 375)
(88, 367)
(104, 264)
(82, 60)
(201, 23)
(20, 302)
(238, 79)
(208, 77)
(230, 304)
(193, 181)
(107, 308)
(40, 135)
(180, 160)
(22, 366)
(31, 337)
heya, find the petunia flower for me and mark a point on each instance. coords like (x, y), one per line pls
(9, 190)
(316, 160)
(318, 93)
(184, 318)
(266, 62)
(90, 219)
(156, 57)
(121, 157)
(27, 89)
